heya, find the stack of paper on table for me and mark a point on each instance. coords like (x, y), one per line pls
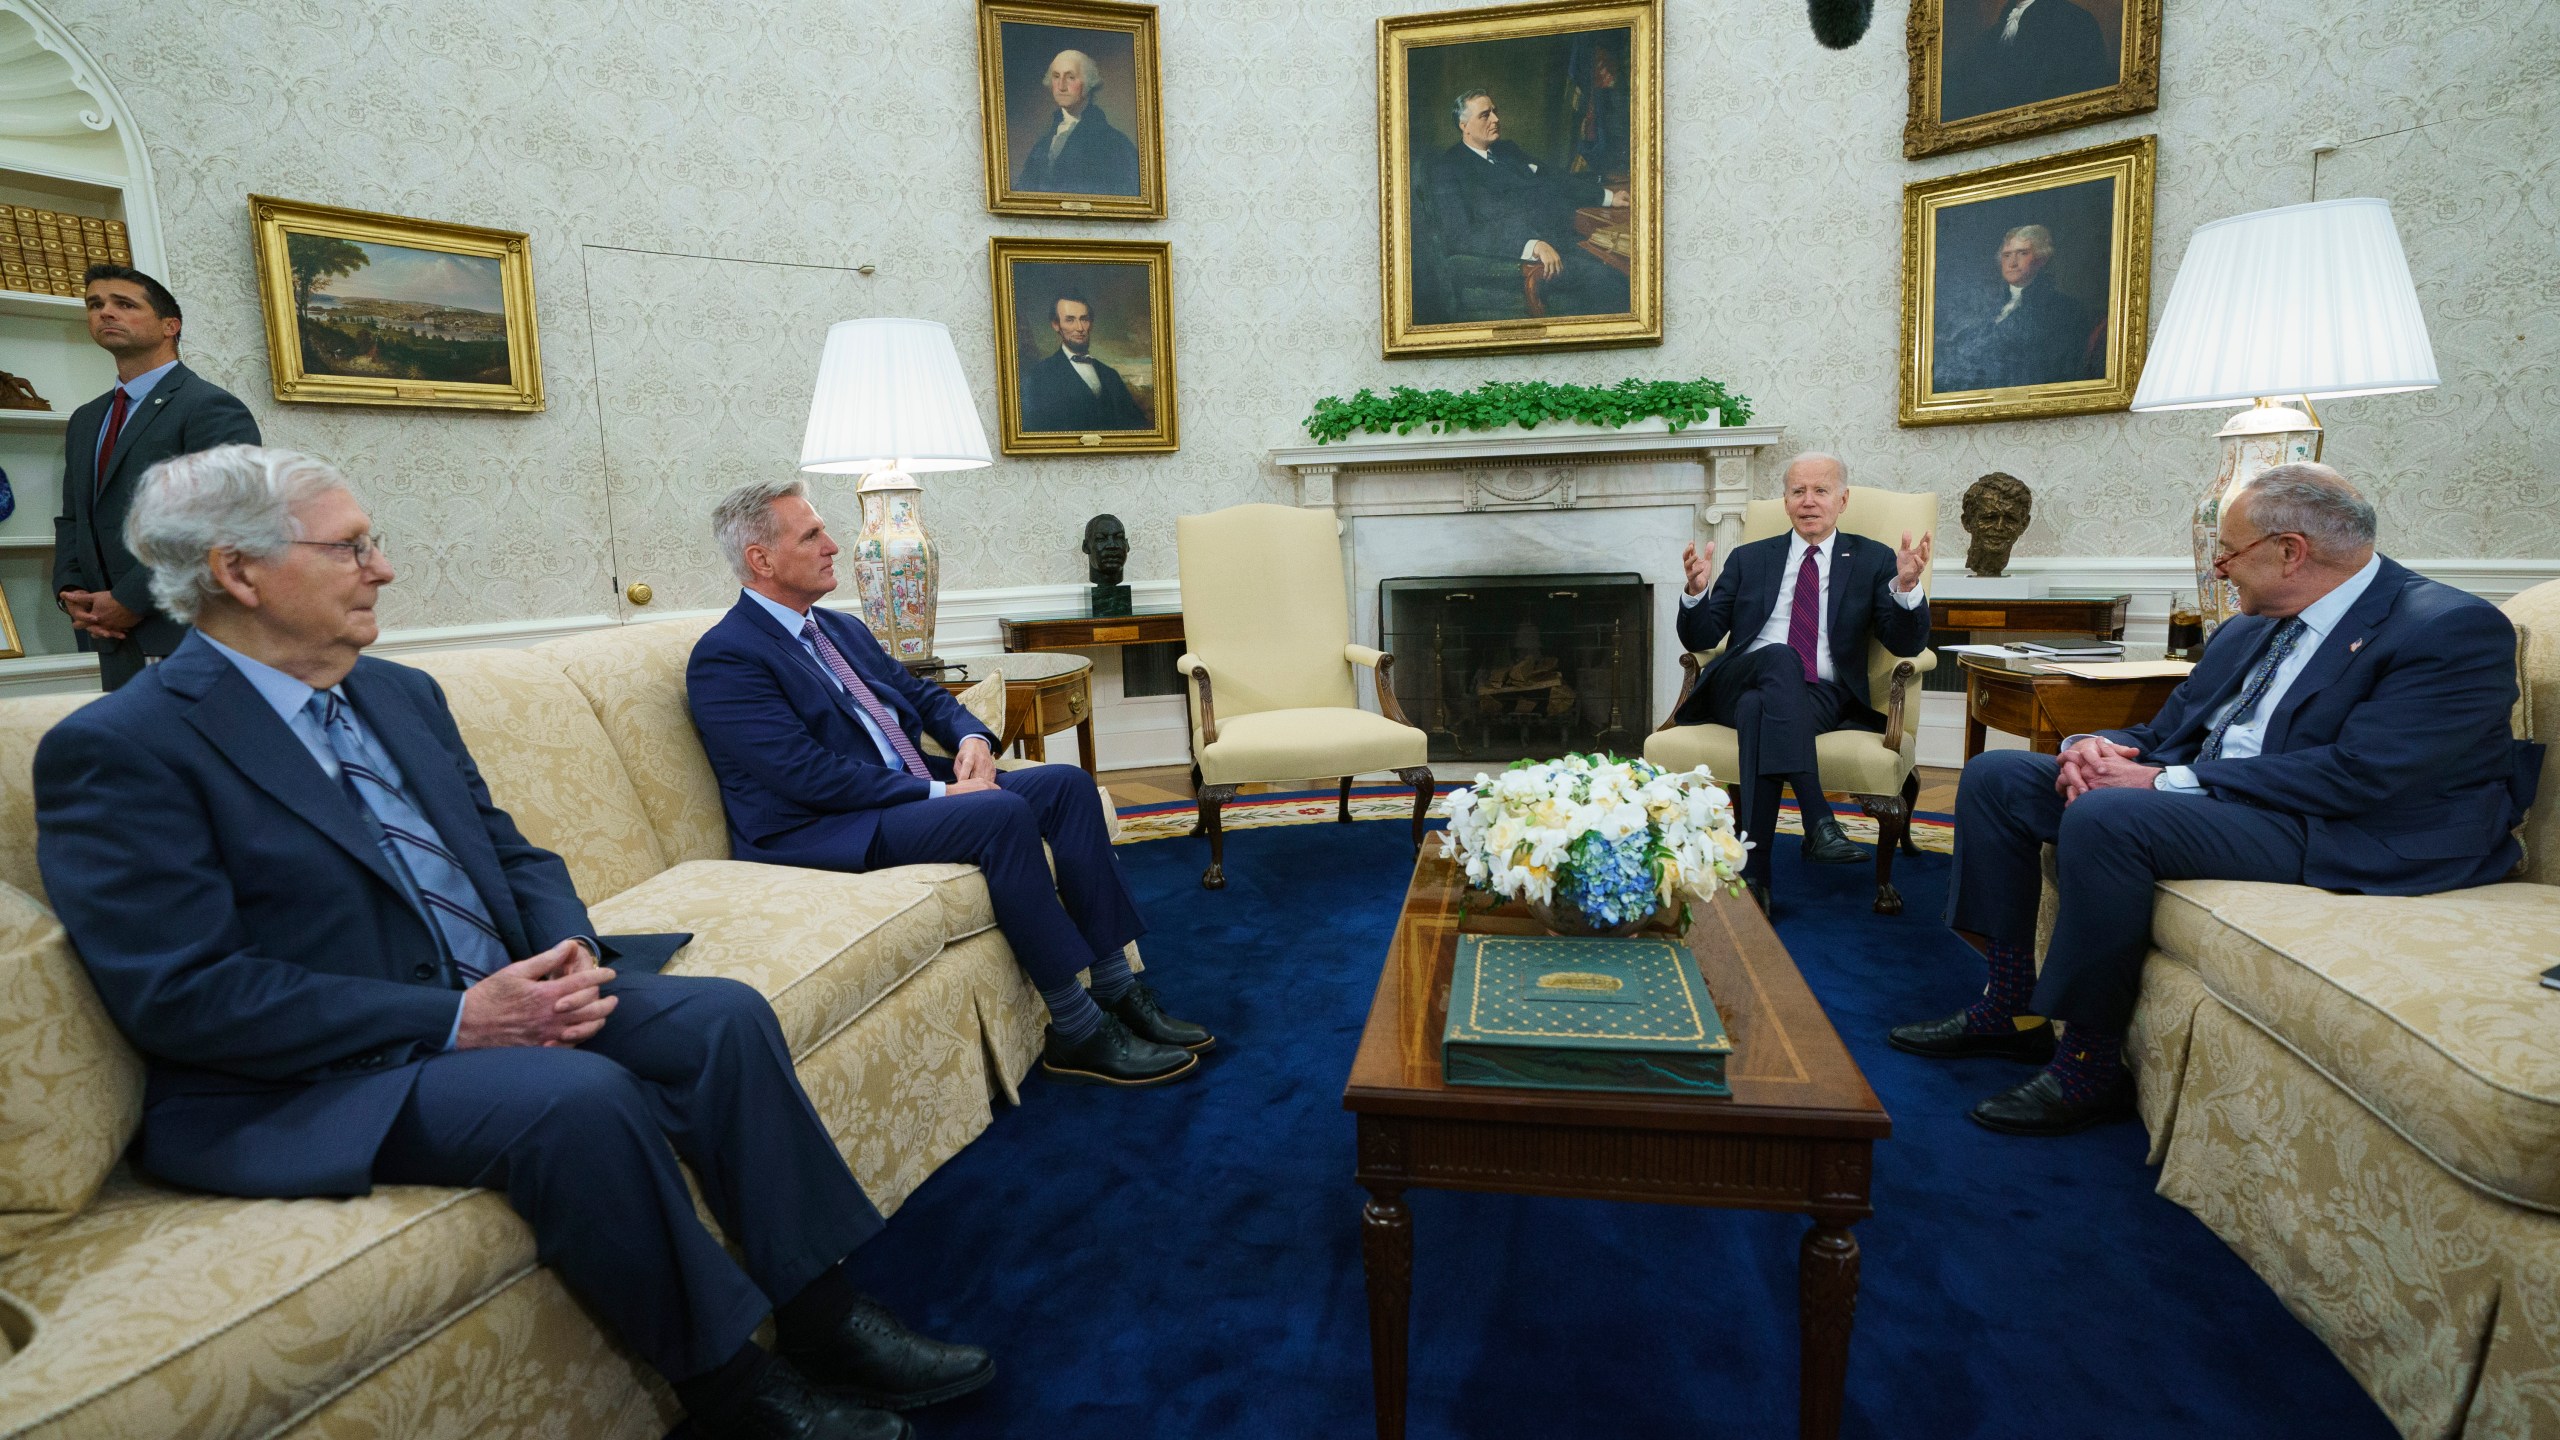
(2122, 669)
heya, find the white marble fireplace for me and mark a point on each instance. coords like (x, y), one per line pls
(1566, 498)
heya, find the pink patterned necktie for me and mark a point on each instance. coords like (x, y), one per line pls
(1804, 617)
(863, 696)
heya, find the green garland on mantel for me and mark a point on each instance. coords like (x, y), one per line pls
(1525, 403)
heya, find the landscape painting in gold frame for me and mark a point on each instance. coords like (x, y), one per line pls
(2026, 288)
(1084, 346)
(1983, 71)
(368, 309)
(1056, 85)
(1520, 178)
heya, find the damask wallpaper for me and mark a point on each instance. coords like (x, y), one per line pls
(702, 181)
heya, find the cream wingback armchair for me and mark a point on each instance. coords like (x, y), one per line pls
(1880, 772)
(1269, 665)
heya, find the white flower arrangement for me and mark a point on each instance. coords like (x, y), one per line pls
(1617, 840)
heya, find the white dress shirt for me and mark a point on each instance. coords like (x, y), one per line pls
(1774, 632)
(1081, 362)
(1066, 127)
(792, 620)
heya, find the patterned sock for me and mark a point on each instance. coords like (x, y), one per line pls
(2012, 989)
(1112, 978)
(2089, 1064)
(1072, 1012)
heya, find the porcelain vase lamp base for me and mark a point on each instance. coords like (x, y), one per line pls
(2255, 441)
(895, 570)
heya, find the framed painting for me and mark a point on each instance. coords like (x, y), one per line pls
(1520, 178)
(366, 309)
(1990, 70)
(2026, 288)
(1084, 346)
(1070, 99)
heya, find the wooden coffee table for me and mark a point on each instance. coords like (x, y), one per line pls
(1797, 1134)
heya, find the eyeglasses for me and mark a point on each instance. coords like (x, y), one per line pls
(361, 549)
(2222, 558)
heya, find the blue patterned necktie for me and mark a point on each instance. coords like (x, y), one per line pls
(2254, 690)
(416, 851)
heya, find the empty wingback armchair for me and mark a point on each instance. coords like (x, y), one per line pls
(1880, 772)
(1270, 667)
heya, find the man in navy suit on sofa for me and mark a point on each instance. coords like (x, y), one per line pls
(345, 966)
(813, 731)
(2348, 730)
(1797, 610)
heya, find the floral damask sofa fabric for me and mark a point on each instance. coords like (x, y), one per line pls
(128, 1310)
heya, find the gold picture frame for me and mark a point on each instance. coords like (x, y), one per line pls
(1994, 330)
(1124, 400)
(1588, 74)
(370, 309)
(11, 647)
(2049, 70)
(1095, 171)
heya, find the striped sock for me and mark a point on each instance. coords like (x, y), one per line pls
(1072, 1013)
(2089, 1064)
(1112, 978)
(2011, 990)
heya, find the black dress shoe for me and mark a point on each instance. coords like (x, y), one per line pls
(872, 1358)
(1947, 1039)
(1759, 893)
(1113, 1056)
(2039, 1108)
(785, 1406)
(1825, 843)
(1146, 1019)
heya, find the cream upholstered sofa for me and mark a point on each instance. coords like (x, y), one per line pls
(128, 1310)
(2361, 1094)
(1879, 771)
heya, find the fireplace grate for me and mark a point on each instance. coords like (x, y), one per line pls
(1502, 667)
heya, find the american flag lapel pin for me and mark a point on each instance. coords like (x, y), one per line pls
(2355, 645)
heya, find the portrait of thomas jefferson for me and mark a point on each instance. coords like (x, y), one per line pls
(2023, 329)
(1998, 54)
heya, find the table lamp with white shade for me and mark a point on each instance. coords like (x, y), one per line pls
(891, 402)
(2309, 302)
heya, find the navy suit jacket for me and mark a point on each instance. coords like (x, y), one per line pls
(243, 927)
(799, 776)
(2393, 743)
(1746, 594)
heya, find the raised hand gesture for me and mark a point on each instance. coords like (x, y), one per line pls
(1910, 563)
(1699, 561)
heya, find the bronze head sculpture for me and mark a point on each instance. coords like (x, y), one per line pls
(1106, 542)
(1995, 514)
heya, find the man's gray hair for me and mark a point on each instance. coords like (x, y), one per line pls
(745, 517)
(1819, 456)
(1091, 72)
(1458, 107)
(2316, 503)
(239, 498)
(2039, 240)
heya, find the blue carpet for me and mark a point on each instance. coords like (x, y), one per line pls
(1186, 1262)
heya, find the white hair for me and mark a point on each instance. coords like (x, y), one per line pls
(1821, 456)
(1084, 66)
(239, 498)
(2314, 502)
(2039, 240)
(745, 517)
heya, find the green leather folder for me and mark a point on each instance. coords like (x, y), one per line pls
(1549, 1013)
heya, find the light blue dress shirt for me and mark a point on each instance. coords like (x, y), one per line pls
(792, 620)
(136, 389)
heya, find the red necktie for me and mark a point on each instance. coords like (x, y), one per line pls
(1804, 616)
(107, 444)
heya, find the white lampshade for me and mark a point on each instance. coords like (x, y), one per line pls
(2310, 300)
(891, 397)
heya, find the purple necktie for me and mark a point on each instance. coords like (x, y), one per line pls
(863, 696)
(1804, 618)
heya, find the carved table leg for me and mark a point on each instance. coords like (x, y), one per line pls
(1386, 1254)
(1826, 1303)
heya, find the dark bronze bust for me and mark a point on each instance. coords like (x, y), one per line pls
(1995, 514)
(1106, 547)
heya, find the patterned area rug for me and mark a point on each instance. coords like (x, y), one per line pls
(1165, 820)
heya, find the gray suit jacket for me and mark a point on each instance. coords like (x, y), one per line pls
(183, 414)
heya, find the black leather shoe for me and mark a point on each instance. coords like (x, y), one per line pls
(1825, 843)
(1146, 1019)
(1946, 1040)
(873, 1358)
(2038, 1108)
(785, 1406)
(1113, 1056)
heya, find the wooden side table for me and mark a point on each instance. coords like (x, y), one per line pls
(2098, 615)
(1144, 626)
(2046, 708)
(1043, 694)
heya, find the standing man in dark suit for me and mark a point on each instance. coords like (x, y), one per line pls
(1080, 153)
(345, 966)
(1488, 199)
(2348, 730)
(813, 731)
(1798, 609)
(157, 409)
(1071, 390)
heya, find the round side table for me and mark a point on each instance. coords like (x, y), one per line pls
(1044, 692)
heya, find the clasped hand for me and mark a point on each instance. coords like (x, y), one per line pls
(549, 1000)
(973, 768)
(99, 613)
(2101, 764)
